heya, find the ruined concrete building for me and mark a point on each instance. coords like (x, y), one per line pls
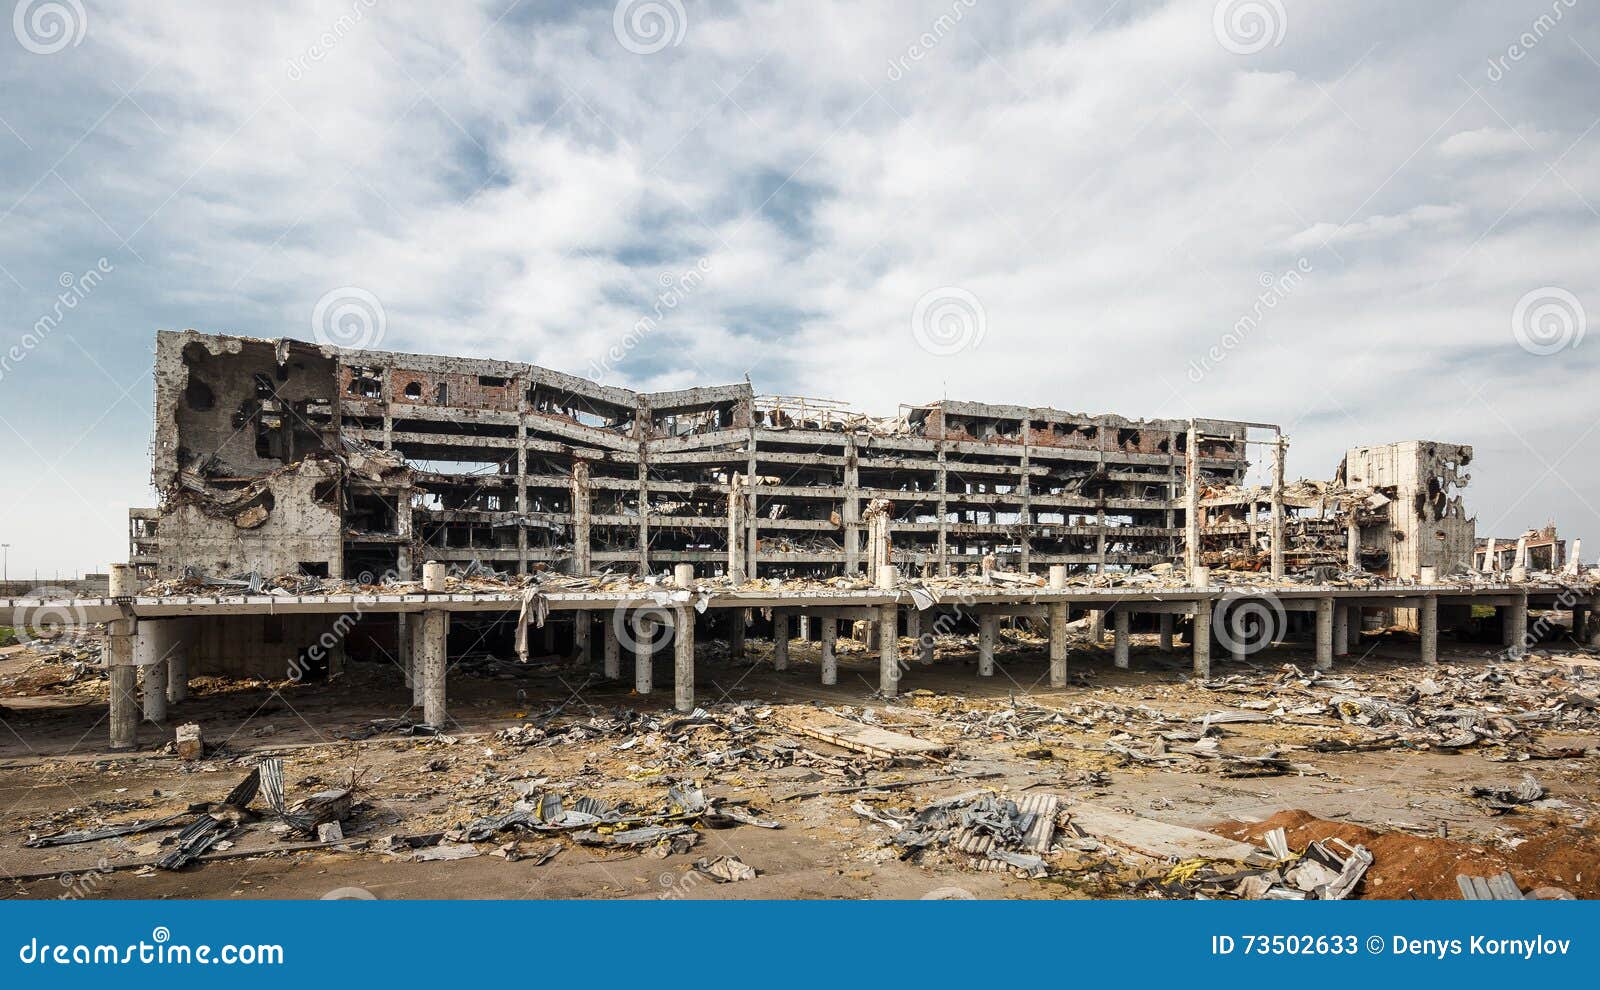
(281, 457)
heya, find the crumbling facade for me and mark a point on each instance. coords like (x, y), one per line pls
(281, 457)
(1416, 516)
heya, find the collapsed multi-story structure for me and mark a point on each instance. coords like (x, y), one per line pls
(282, 457)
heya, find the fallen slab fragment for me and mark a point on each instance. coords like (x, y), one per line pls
(1156, 838)
(870, 739)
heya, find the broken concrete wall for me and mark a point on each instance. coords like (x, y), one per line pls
(278, 524)
(1427, 523)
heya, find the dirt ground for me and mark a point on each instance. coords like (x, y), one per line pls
(1383, 752)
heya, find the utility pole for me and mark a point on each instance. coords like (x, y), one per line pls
(5, 561)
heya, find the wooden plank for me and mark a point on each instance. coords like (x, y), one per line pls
(869, 739)
(1155, 838)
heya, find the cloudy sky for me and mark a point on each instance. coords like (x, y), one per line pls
(1366, 221)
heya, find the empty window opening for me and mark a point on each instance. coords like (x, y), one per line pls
(414, 391)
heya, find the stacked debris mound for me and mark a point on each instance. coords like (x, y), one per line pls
(1325, 870)
(986, 831)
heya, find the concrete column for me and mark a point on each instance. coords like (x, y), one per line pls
(804, 625)
(1517, 621)
(644, 657)
(581, 552)
(1191, 501)
(120, 633)
(613, 651)
(986, 631)
(913, 623)
(1201, 635)
(830, 662)
(432, 659)
(1580, 622)
(1236, 642)
(1165, 626)
(1058, 576)
(736, 633)
(1592, 626)
(432, 666)
(1357, 616)
(683, 653)
(1058, 644)
(1428, 629)
(889, 649)
(683, 575)
(1324, 633)
(1119, 620)
(1097, 625)
(151, 643)
(925, 638)
(1352, 544)
(402, 645)
(780, 639)
(1341, 630)
(1279, 451)
(178, 659)
(581, 631)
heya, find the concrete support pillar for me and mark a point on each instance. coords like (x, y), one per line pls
(1592, 630)
(780, 639)
(913, 623)
(1357, 616)
(1341, 630)
(1352, 545)
(736, 633)
(889, 651)
(435, 630)
(1517, 631)
(1324, 633)
(1201, 635)
(178, 659)
(151, 644)
(925, 638)
(582, 628)
(1191, 500)
(830, 662)
(402, 645)
(1428, 629)
(1058, 644)
(1119, 619)
(433, 660)
(613, 651)
(986, 631)
(1238, 650)
(1165, 627)
(581, 547)
(683, 654)
(120, 633)
(415, 621)
(644, 656)
(1580, 622)
(1280, 450)
(1097, 625)
(804, 628)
